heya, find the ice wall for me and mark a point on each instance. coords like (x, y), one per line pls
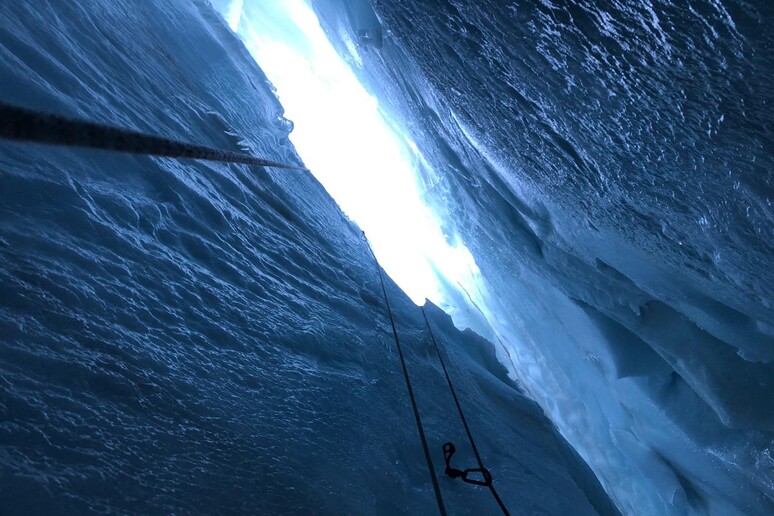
(185, 337)
(609, 167)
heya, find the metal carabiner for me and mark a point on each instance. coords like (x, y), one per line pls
(448, 453)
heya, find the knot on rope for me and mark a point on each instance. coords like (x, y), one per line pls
(448, 452)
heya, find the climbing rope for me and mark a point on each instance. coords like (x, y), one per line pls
(25, 125)
(420, 428)
(448, 448)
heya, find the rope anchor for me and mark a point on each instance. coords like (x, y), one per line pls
(448, 448)
(448, 452)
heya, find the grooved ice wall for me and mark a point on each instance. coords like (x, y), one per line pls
(185, 337)
(610, 167)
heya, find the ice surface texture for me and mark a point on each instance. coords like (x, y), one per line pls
(179, 337)
(609, 165)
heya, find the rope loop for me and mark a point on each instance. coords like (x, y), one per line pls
(448, 452)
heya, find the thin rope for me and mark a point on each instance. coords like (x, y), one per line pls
(25, 125)
(462, 415)
(420, 428)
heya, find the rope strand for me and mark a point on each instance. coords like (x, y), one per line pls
(25, 125)
(420, 429)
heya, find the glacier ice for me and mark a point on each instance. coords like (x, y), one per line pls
(609, 167)
(189, 337)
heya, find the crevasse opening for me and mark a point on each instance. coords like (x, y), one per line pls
(357, 152)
